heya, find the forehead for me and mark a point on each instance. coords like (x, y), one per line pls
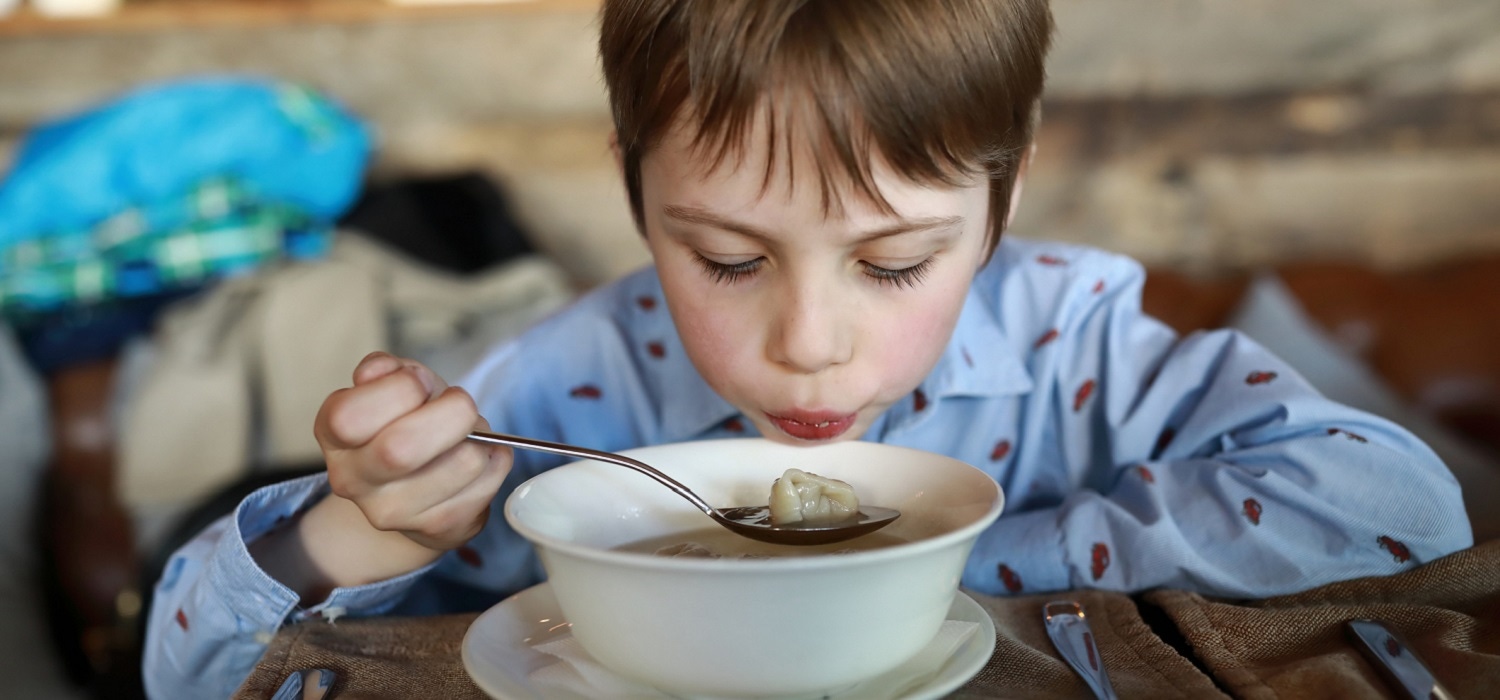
(782, 159)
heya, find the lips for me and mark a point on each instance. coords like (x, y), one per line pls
(813, 425)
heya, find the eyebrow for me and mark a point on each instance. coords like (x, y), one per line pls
(695, 215)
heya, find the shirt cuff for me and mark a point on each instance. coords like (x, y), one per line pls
(260, 601)
(1021, 553)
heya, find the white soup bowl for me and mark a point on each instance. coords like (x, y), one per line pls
(758, 627)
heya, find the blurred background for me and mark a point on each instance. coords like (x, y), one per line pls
(1324, 176)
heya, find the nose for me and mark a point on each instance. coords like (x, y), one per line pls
(810, 333)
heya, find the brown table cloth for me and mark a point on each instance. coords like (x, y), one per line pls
(1159, 645)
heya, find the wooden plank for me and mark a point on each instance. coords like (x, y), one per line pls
(1186, 47)
(162, 15)
(1333, 121)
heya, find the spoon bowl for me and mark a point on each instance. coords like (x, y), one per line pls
(753, 522)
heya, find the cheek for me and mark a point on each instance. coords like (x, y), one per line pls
(708, 333)
(906, 344)
(721, 344)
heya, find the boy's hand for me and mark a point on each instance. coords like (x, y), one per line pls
(395, 447)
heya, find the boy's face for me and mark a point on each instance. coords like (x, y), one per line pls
(810, 324)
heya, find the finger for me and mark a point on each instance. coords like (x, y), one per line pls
(423, 435)
(435, 384)
(461, 516)
(379, 364)
(350, 418)
(397, 504)
(374, 366)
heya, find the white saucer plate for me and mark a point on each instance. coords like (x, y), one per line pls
(498, 653)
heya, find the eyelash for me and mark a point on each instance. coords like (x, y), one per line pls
(727, 274)
(904, 277)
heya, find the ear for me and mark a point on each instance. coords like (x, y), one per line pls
(1015, 189)
(614, 149)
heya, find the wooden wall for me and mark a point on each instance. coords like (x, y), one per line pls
(1199, 134)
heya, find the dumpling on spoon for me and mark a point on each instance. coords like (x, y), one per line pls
(803, 497)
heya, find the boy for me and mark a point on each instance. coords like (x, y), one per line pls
(822, 185)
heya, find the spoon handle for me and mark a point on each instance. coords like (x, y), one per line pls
(1068, 627)
(558, 448)
(1396, 661)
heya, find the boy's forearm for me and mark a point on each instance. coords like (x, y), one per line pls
(331, 546)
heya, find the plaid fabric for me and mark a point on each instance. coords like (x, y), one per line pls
(319, 119)
(218, 229)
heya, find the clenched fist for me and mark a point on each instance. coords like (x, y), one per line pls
(395, 447)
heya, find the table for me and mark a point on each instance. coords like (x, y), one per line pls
(1160, 644)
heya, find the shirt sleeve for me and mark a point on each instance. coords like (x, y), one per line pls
(1205, 463)
(214, 610)
(575, 377)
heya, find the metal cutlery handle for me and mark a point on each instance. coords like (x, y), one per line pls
(1396, 661)
(311, 684)
(559, 448)
(1069, 630)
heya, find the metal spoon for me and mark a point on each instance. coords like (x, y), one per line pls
(1068, 627)
(311, 684)
(750, 521)
(1396, 661)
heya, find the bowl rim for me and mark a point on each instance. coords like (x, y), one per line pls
(640, 560)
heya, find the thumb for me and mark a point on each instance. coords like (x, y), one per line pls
(379, 364)
(374, 366)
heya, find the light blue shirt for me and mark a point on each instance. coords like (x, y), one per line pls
(1130, 458)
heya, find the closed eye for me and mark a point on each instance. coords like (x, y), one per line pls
(722, 273)
(902, 277)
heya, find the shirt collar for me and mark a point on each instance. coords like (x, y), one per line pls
(691, 407)
(979, 361)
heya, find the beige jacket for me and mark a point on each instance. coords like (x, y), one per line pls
(237, 374)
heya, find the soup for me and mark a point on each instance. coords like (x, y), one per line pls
(719, 543)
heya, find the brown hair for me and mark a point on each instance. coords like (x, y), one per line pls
(940, 89)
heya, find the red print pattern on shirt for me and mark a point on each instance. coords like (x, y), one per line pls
(585, 391)
(1099, 287)
(1011, 579)
(1260, 378)
(656, 349)
(968, 360)
(646, 303)
(1099, 560)
(918, 401)
(1392, 646)
(1351, 436)
(1252, 511)
(467, 555)
(1047, 337)
(1050, 260)
(1082, 397)
(181, 618)
(1146, 474)
(1397, 548)
(1001, 451)
(734, 425)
